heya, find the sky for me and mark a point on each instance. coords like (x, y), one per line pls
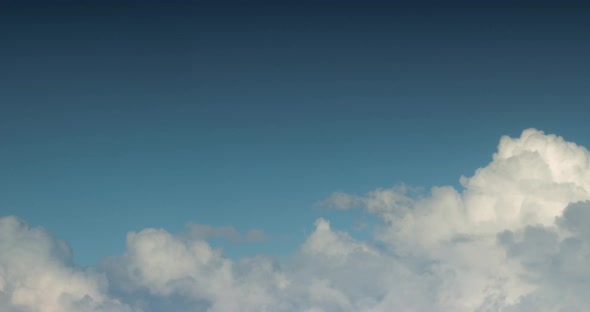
(255, 143)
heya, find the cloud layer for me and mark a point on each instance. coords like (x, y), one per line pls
(516, 238)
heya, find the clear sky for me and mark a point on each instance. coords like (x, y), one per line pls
(119, 117)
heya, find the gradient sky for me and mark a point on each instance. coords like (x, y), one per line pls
(118, 117)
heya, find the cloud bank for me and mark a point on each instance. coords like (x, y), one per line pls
(516, 238)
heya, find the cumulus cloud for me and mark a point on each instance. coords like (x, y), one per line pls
(515, 238)
(37, 274)
(555, 260)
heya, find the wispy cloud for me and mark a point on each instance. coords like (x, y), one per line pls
(228, 232)
(341, 201)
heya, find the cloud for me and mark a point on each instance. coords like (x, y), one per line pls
(341, 201)
(515, 238)
(555, 260)
(37, 274)
(228, 232)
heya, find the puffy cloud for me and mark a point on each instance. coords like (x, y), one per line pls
(159, 265)
(528, 185)
(37, 274)
(555, 261)
(515, 238)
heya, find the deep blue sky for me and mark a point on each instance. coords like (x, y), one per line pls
(117, 117)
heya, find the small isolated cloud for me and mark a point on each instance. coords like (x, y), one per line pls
(341, 201)
(228, 232)
(515, 238)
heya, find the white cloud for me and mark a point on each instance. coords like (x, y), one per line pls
(36, 274)
(515, 238)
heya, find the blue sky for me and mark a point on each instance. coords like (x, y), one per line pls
(115, 118)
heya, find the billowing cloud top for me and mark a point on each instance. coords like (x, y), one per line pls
(516, 238)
